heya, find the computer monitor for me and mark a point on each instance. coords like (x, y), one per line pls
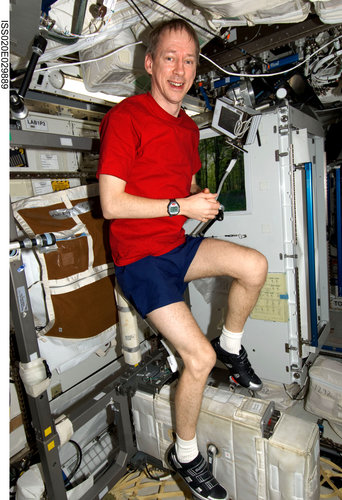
(235, 121)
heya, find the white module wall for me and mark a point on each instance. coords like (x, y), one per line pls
(278, 333)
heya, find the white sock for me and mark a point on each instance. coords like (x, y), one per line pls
(230, 341)
(186, 450)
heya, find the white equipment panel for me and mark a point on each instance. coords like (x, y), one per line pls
(42, 161)
(291, 319)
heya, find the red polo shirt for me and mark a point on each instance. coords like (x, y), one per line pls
(156, 154)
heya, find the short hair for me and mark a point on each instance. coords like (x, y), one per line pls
(176, 24)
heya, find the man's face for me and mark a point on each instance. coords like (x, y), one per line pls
(172, 69)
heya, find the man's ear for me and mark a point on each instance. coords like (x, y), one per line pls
(148, 63)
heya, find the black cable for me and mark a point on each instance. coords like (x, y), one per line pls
(78, 463)
(141, 13)
(186, 19)
(332, 453)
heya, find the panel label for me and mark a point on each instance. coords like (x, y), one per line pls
(272, 304)
(36, 124)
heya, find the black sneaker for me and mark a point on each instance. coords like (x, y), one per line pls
(241, 371)
(197, 476)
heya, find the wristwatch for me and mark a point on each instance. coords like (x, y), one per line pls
(173, 208)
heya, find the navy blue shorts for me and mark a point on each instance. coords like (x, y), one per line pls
(154, 282)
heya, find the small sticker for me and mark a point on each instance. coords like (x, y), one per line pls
(41, 186)
(22, 299)
(51, 446)
(47, 431)
(49, 161)
(66, 141)
(60, 185)
(256, 407)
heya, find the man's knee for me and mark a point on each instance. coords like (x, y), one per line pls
(255, 269)
(201, 360)
(262, 268)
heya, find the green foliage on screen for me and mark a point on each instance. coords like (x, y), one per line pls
(215, 156)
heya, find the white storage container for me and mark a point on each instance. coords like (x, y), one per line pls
(249, 465)
(324, 397)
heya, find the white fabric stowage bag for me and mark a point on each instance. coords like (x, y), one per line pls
(250, 462)
(325, 389)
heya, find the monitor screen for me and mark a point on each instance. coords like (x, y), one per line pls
(225, 118)
(228, 118)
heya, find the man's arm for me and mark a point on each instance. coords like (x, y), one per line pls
(117, 204)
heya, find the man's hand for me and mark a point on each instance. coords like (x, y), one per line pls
(201, 206)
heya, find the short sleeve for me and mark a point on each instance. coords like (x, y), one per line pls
(118, 144)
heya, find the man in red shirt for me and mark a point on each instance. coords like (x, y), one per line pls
(148, 161)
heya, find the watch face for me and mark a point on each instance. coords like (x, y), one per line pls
(173, 208)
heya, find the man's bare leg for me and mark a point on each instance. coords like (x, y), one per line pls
(249, 269)
(177, 325)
